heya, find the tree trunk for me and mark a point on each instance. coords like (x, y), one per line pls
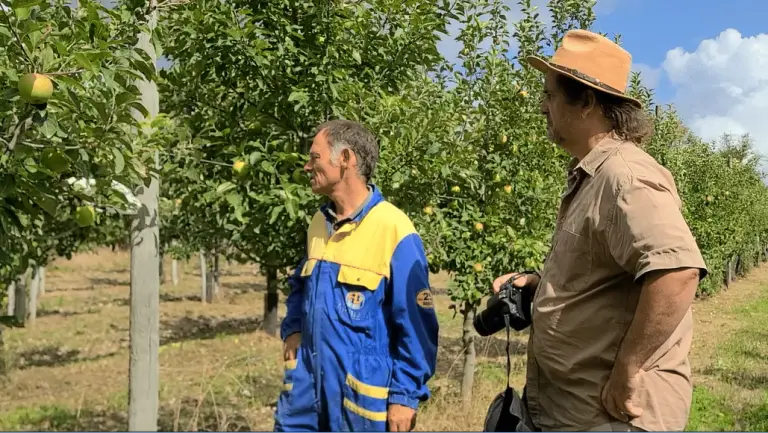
(216, 274)
(3, 366)
(34, 289)
(161, 273)
(175, 272)
(20, 298)
(468, 342)
(41, 287)
(11, 298)
(203, 278)
(210, 284)
(270, 303)
(143, 390)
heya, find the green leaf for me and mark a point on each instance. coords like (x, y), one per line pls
(275, 213)
(22, 13)
(267, 167)
(137, 105)
(224, 187)
(119, 160)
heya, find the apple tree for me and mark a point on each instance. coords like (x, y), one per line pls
(72, 123)
(249, 82)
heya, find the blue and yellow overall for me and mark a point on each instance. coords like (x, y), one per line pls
(361, 300)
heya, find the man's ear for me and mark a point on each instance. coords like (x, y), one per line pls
(347, 157)
(590, 104)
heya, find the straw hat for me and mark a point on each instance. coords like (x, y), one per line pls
(593, 60)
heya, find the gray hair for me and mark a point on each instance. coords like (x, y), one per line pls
(347, 134)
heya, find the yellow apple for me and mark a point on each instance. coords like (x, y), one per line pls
(85, 215)
(455, 188)
(428, 210)
(239, 167)
(504, 139)
(508, 189)
(478, 267)
(479, 227)
(35, 88)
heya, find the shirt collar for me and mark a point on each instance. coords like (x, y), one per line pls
(596, 157)
(373, 197)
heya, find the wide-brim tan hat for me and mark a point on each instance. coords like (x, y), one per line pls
(591, 59)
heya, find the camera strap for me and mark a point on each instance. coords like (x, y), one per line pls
(509, 362)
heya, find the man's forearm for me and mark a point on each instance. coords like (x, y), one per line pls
(664, 301)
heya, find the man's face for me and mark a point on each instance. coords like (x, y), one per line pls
(561, 117)
(324, 173)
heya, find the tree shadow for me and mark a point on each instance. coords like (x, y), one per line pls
(109, 282)
(70, 289)
(450, 356)
(44, 312)
(243, 287)
(206, 328)
(164, 297)
(186, 415)
(741, 378)
(50, 356)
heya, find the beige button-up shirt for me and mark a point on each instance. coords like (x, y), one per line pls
(619, 218)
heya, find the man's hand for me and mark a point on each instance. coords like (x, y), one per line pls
(529, 281)
(400, 418)
(291, 345)
(620, 393)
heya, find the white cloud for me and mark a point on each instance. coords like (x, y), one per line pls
(722, 86)
(648, 74)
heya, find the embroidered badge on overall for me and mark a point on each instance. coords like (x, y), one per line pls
(355, 300)
(424, 298)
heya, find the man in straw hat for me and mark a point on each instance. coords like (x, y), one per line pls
(612, 325)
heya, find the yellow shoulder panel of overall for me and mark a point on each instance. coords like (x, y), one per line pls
(363, 250)
(317, 237)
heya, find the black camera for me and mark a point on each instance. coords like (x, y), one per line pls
(512, 302)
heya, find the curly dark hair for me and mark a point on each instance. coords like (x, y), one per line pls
(630, 122)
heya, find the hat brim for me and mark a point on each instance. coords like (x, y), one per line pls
(544, 67)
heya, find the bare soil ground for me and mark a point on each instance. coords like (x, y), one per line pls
(220, 371)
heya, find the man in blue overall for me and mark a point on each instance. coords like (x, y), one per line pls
(361, 330)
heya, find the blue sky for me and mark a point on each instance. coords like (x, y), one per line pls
(650, 28)
(707, 57)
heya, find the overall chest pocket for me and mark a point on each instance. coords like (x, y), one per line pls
(358, 297)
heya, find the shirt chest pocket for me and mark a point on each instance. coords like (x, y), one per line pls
(358, 297)
(570, 264)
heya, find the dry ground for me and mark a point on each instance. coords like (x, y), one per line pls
(219, 371)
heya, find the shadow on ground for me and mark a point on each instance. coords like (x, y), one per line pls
(109, 282)
(65, 313)
(744, 379)
(186, 415)
(450, 357)
(206, 328)
(242, 287)
(50, 356)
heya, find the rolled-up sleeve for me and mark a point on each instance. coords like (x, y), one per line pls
(648, 232)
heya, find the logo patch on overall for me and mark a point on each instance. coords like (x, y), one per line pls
(424, 298)
(355, 300)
